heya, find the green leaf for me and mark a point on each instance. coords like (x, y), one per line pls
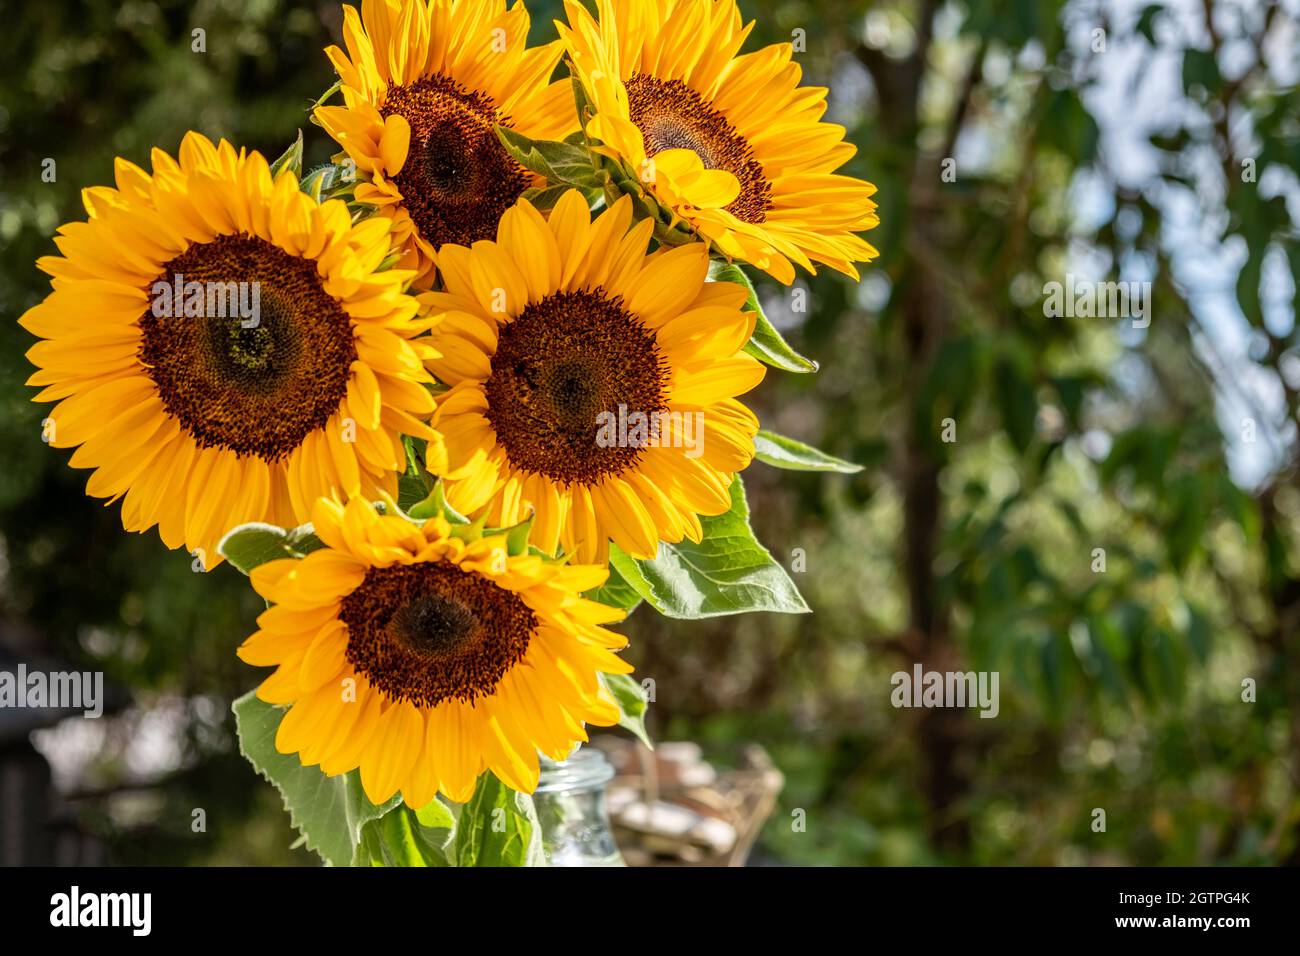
(403, 837)
(544, 198)
(436, 815)
(766, 344)
(1017, 402)
(632, 704)
(436, 504)
(1248, 285)
(253, 544)
(1146, 23)
(782, 452)
(1070, 389)
(290, 159)
(615, 592)
(619, 181)
(411, 491)
(330, 812)
(1199, 633)
(1068, 126)
(1184, 523)
(415, 484)
(517, 536)
(728, 572)
(1200, 68)
(497, 827)
(324, 178)
(560, 163)
(954, 378)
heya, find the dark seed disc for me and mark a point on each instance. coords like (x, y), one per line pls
(671, 115)
(256, 386)
(458, 179)
(560, 364)
(431, 632)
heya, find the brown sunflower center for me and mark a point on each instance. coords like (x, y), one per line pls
(458, 179)
(671, 115)
(430, 632)
(247, 349)
(561, 367)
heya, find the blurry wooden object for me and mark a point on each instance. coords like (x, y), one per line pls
(670, 807)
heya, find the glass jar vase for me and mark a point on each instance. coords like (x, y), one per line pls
(570, 802)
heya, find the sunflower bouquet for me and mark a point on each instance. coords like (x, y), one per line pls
(464, 396)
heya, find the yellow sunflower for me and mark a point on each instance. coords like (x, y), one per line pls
(223, 348)
(590, 383)
(423, 658)
(424, 83)
(738, 147)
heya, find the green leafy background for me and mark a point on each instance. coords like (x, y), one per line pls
(1120, 690)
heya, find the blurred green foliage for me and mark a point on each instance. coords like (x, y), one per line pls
(1120, 690)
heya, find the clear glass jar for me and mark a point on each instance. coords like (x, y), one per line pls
(570, 801)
